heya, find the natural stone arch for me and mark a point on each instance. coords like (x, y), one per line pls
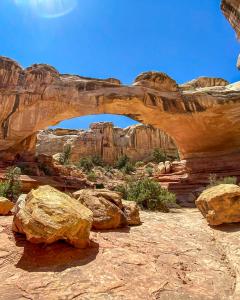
(201, 116)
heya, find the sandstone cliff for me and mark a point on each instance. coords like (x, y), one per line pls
(107, 141)
(231, 10)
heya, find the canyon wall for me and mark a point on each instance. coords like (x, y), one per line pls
(106, 141)
(231, 10)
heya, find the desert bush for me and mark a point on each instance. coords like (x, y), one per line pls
(86, 164)
(92, 176)
(149, 170)
(213, 181)
(128, 168)
(159, 155)
(64, 158)
(122, 161)
(11, 186)
(139, 164)
(123, 189)
(148, 194)
(97, 161)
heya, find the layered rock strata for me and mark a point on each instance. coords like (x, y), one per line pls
(106, 141)
(202, 121)
(231, 10)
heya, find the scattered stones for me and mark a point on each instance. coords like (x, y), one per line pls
(220, 204)
(46, 215)
(5, 206)
(106, 207)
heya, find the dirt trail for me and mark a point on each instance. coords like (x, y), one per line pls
(170, 256)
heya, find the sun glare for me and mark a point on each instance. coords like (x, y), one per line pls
(48, 8)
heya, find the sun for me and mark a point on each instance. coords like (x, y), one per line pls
(48, 8)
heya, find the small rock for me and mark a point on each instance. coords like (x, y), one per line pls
(220, 204)
(161, 168)
(168, 166)
(5, 206)
(131, 211)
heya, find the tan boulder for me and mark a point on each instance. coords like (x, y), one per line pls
(5, 206)
(46, 215)
(168, 166)
(161, 168)
(131, 210)
(106, 207)
(220, 204)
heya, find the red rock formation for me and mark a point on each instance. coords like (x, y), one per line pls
(107, 141)
(231, 10)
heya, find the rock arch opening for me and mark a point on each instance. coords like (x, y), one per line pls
(108, 139)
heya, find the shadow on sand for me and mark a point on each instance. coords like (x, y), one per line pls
(232, 227)
(56, 257)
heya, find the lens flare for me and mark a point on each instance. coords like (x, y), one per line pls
(48, 8)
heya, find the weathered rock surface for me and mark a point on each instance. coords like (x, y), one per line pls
(220, 204)
(106, 141)
(170, 256)
(106, 206)
(231, 10)
(131, 210)
(46, 215)
(192, 117)
(5, 206)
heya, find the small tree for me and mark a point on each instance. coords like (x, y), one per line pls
(11, 186)
(159, 155)
(64, 158)
(86, 164)
(97, 161)
(122, 161)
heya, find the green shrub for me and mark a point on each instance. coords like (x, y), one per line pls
(122, 161)
(92, 176)
(123, 189)
(11, 186)
(139, 164)
(97, 161)
(86, 164)
(64, 158)
(213, 181)
(128, 168)
(159, 155)
(150, 195)
(149, 170)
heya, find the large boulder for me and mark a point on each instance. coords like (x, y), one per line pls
(106, 207)
(131, 210)
(46, 215)
(220, 204)
(5, 206)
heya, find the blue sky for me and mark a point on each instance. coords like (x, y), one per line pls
(120, 38)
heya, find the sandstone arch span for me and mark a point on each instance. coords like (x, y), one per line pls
(202, 116)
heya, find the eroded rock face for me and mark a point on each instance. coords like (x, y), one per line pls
(220, 204)
(46, 215)
(231, 10)
(192, 117)
(5, 206)
(106, 206)
(106, 141)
